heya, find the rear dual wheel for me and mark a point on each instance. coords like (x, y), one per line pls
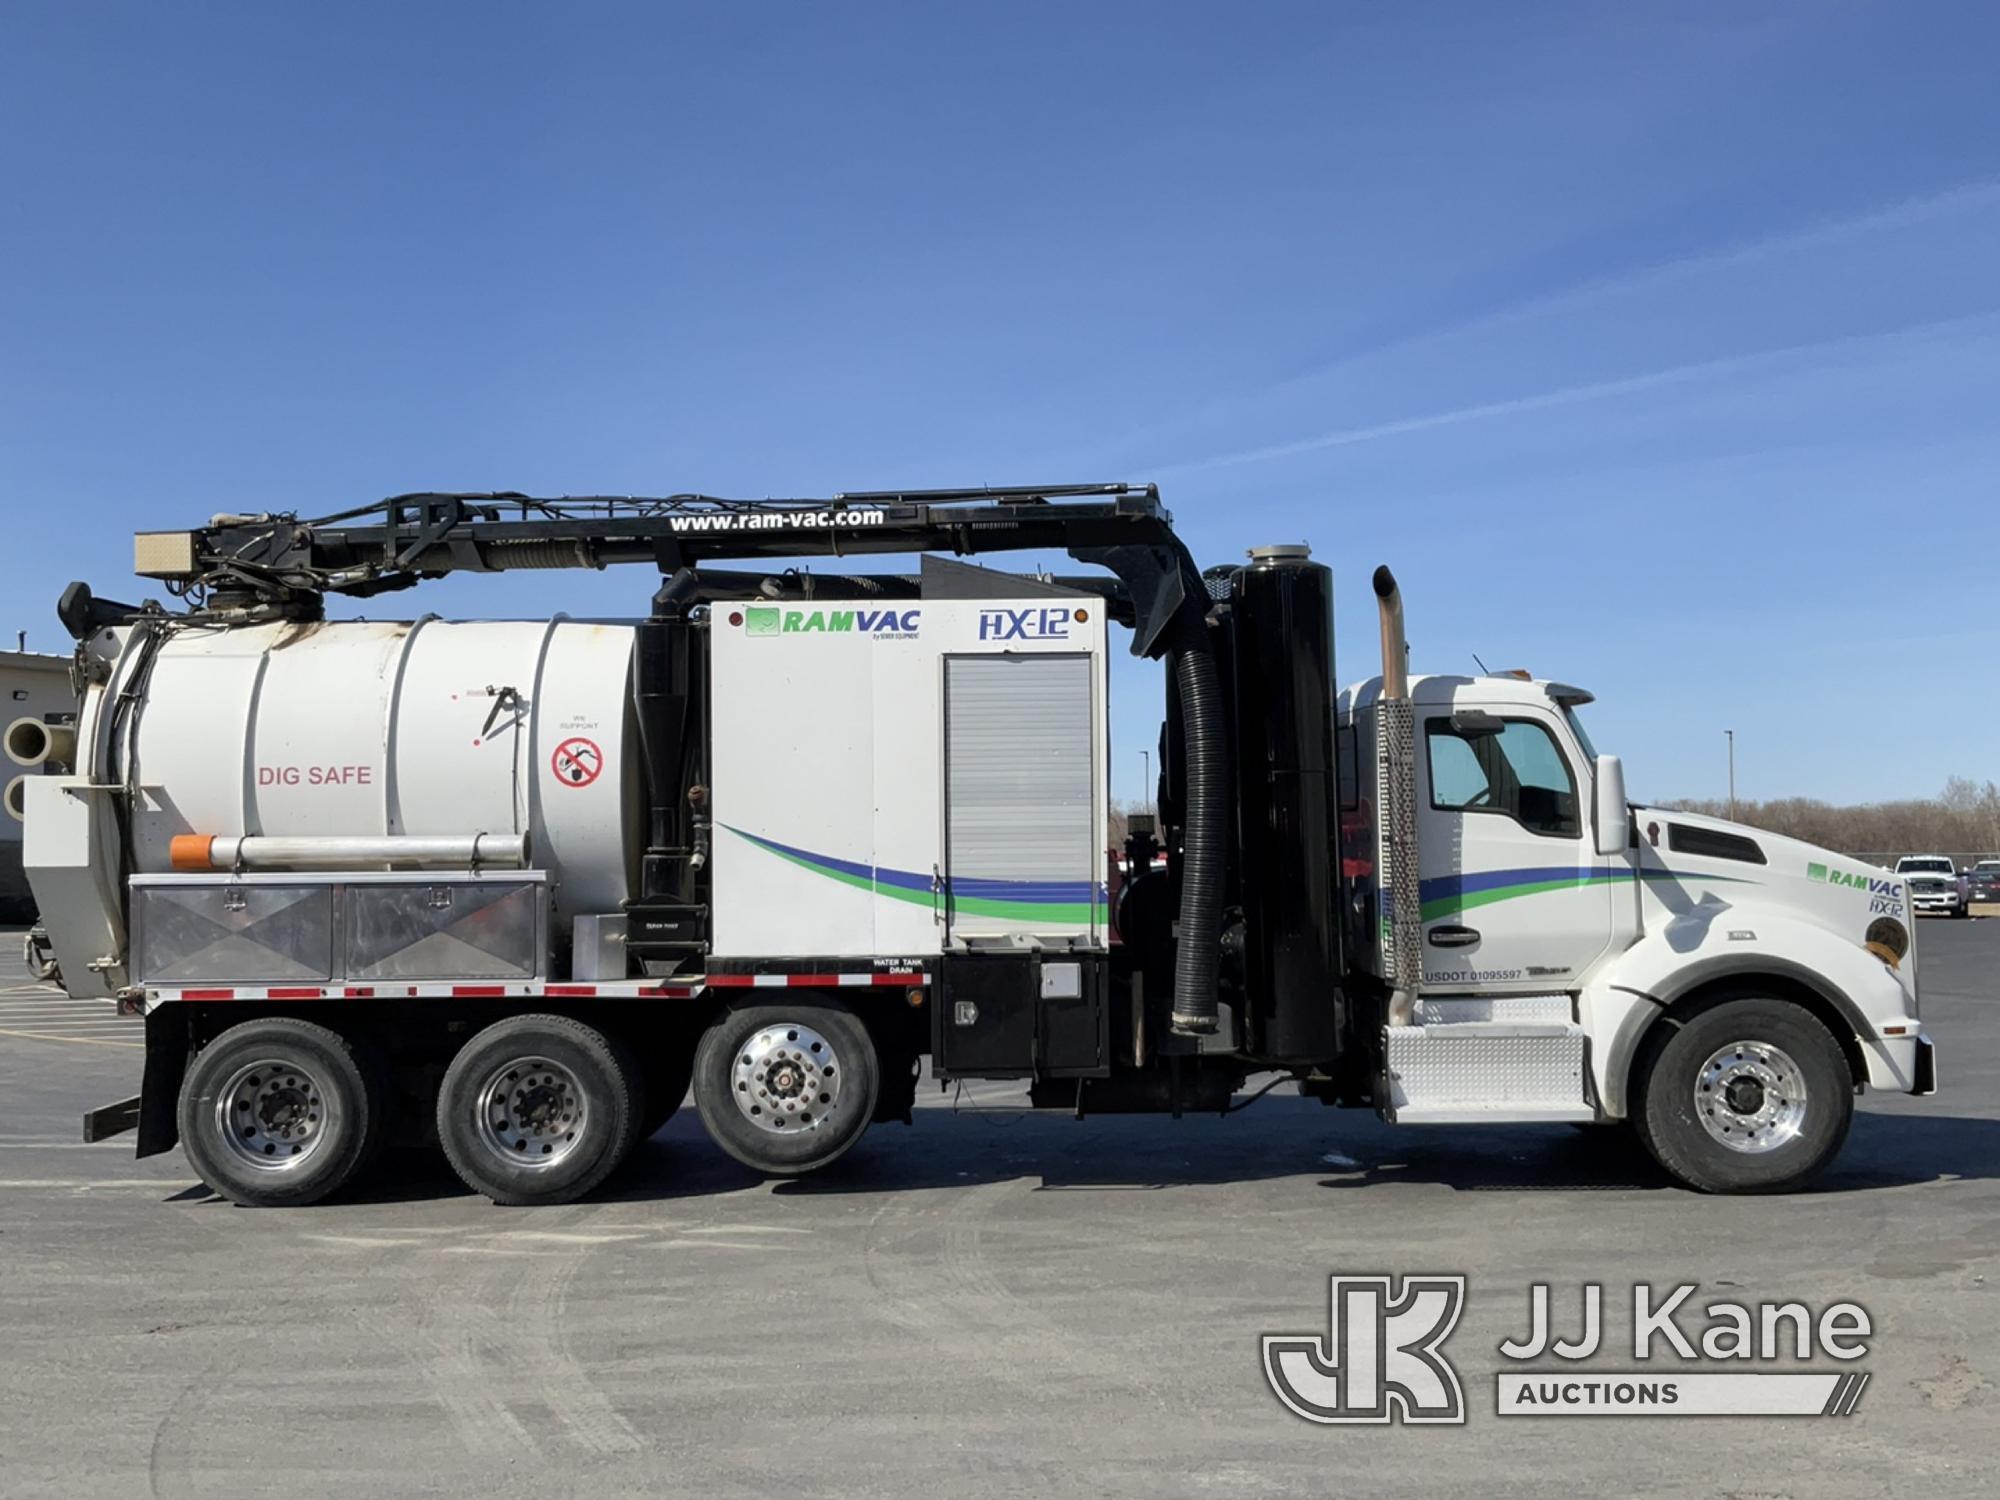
(278, 1112)
(539, 1109)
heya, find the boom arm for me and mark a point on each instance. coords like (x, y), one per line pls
(280, 563)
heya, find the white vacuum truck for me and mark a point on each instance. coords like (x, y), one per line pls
(517, 885)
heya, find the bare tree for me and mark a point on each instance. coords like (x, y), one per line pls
(1964, 819)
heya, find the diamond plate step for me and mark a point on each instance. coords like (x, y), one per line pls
(1495, 1071)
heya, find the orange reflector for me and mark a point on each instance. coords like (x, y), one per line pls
(189, 851)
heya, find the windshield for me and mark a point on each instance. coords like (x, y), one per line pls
(1576, 728)
(1927, 867)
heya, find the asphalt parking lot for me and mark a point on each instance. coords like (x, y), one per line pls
(986, 1304)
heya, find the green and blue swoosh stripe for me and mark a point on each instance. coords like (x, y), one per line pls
(1075, 901)
(1009, 900)
(1447, 895)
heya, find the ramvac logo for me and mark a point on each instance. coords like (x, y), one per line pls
(883, 624)
(1874, 885)
(1885, 891)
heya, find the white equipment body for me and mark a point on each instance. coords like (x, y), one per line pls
(954, 795)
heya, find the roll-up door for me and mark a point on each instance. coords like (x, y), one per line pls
(1018, 798)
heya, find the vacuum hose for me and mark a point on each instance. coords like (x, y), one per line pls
(1197, 954)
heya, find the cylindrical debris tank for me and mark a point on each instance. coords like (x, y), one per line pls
(424, 730)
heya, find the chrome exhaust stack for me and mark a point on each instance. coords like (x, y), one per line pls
(1396, 810)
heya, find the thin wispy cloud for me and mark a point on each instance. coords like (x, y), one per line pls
(1915, 212)
(1908, 213)
(1598, 390)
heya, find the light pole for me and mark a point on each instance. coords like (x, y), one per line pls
(1732, 773)
(1146, 762)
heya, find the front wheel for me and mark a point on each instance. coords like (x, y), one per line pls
(785, 1089)
(1745, 1096)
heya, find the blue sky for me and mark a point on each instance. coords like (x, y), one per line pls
(1658, 348)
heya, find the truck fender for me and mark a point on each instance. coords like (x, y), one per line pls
(1851, 985)
(1615, 1020)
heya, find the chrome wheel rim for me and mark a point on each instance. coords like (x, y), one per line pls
(786, 1079)
(273, 1115)
(1750, 1097)
(531, 1112)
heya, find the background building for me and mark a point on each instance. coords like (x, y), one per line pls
(37, 685)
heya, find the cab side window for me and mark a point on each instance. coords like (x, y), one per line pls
(1514, 769)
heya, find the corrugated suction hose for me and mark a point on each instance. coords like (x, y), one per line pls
(1198, 952)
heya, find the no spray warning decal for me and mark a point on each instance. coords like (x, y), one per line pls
(577, 761)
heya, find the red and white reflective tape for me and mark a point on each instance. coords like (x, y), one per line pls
(630, 989)
(814, 981)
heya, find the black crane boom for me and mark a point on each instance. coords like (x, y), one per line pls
(281, 563)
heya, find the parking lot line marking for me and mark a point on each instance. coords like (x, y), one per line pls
(95, 1019)
(81, 1041)
(30, 1018)
(58, 1145)
(69, 1016)
(53, 1008)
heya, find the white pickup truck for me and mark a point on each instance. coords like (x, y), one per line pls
(1935, 884)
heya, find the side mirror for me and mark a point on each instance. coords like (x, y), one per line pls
(1612, 817)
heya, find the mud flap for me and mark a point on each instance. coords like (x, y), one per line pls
(160, 1089)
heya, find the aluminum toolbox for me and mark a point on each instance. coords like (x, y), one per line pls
(327, 928)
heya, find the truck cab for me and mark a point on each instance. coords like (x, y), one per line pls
(1558, 926)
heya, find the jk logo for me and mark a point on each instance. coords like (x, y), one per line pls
(1380, 1361)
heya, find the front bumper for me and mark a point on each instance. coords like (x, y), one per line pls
(1942, 902)
(1901, 1063)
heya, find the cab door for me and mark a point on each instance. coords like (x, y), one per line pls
(1514, 894)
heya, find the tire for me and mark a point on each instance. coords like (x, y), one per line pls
(582, 1099)
(280, 1113)
(1745, 1095)
(808, 1062)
